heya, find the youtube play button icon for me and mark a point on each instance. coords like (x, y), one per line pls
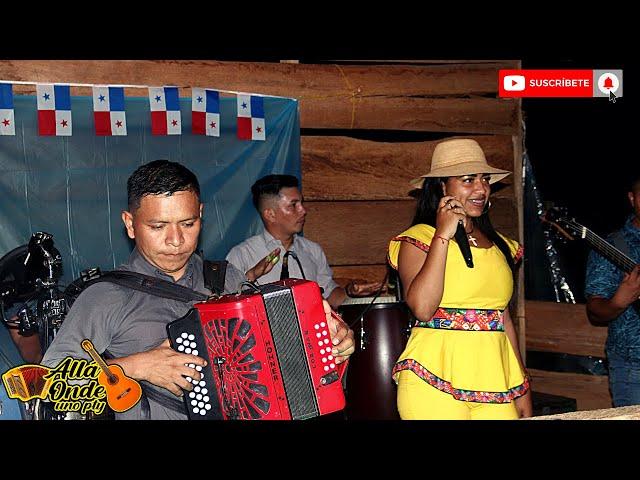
(514, 83)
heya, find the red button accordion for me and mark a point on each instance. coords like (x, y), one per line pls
(268, 355)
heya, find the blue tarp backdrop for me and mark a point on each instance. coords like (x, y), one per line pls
(75, 187)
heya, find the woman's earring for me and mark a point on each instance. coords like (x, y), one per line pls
(486, 207)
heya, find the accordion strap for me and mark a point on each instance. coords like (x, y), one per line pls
(174, 404)
(214, 274)
(151, 285)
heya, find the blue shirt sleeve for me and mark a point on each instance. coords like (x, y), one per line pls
(602, 277)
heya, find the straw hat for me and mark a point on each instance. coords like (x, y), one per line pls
(460, 156)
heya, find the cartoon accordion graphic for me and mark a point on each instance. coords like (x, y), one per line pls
(27, 382)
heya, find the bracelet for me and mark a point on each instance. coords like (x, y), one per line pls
(442, 238)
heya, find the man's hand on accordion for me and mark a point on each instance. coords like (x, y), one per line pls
(162, 366)
(341, 334)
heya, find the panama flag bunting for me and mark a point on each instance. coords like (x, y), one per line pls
(7, 114)
(251, 117)
(108, 111)
(165, 111)
(205, 112)
(54, 109)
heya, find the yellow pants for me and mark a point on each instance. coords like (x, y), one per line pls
(417, 400)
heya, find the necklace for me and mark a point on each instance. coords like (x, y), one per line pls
(471, 238)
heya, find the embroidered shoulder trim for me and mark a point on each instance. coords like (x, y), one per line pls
(403, 238)
(519, 254)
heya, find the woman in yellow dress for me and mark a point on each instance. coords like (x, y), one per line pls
(462, 359)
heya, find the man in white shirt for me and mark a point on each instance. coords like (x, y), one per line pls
(279, 251)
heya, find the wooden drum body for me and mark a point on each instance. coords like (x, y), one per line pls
(380, 338)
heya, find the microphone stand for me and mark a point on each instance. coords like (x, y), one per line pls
(293, 255)
(365, 310)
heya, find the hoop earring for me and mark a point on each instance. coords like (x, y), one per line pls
(486, 208)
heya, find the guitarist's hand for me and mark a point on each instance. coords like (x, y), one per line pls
(162, 366)
(629, 290)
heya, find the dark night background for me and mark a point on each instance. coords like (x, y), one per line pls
(582, 157)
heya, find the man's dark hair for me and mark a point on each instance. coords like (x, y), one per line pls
(270, 186)
(157, 178)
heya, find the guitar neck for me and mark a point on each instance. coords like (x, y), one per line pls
(608, 251)
(88, 347)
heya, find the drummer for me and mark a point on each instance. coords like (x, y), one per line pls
(279, 252)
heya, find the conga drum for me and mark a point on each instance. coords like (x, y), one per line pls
(380, 337)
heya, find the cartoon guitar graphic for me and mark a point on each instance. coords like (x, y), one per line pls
(122, 392)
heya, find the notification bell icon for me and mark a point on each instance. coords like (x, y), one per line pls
(608, 83)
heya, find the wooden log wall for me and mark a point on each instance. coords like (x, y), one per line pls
(356, 190)
(565, 328)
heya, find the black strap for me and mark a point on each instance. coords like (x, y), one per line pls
(172, 403)
(150, 285)
(214, 275)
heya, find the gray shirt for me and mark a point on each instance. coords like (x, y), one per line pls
(245, 255)
(125, 321)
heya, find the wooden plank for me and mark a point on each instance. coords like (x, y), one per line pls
(358, 233)
(563, 327)
(590, 391)
(515, 64)
(472, 115)
(425, 98)
(344, 168)
(520, 320)
(621, 413)
(369, 273)
(302, 81)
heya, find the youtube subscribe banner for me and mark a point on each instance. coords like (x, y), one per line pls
(560, 83)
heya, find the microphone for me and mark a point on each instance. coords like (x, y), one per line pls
(463, 243)
(284, 274)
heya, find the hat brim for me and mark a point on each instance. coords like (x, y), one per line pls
(469, 168)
